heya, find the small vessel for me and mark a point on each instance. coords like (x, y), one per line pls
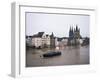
(52, 54)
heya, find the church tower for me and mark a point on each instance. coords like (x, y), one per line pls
(71, 33)
(52, 40)
(77, 33)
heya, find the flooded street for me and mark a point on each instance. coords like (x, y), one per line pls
(70, 56)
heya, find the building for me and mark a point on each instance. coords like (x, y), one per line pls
(61, 42)
(29, 41)
(86, 41)
(52, 40)
(74, 36)
(48, 40)
(64, 41)
(36, 42)
(41, 40)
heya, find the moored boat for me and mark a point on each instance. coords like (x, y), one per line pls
(51, 54)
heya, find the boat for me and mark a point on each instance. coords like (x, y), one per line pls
(52, 54)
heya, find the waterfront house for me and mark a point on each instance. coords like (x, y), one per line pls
(41, 40)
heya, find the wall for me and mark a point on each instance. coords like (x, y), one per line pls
(5, 39)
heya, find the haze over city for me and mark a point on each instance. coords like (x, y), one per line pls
(59, 24)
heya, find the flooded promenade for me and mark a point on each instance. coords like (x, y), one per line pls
(71, 55)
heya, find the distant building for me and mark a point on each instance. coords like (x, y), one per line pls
(36, 42)
(41, 40)
(29, 41)
(74, 36)
(61, 42)
(48, 40)
(64, 41)
(86, 41)
(52, 40)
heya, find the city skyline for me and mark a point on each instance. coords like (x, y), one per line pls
(58, 24)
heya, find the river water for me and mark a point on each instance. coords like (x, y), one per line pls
(71, 55)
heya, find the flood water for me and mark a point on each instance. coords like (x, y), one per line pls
(71, 55)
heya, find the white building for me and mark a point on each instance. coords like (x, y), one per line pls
(61, 42)
(81, 40)
(64, 41)
(41, 40)
(48, 40)
(36, 42)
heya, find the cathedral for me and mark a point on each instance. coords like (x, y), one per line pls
(74, 36)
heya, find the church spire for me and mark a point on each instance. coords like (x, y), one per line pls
(76, 28)
(79, 29)
(52, 35)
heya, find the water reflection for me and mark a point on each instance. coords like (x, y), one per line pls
(70, 56)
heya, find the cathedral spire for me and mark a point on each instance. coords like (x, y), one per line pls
(76, 28)
(70, 28)
(52, 35)
(79, 29)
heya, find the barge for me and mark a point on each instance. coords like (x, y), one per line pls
(52, 54)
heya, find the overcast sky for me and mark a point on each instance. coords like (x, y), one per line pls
(59, 24)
